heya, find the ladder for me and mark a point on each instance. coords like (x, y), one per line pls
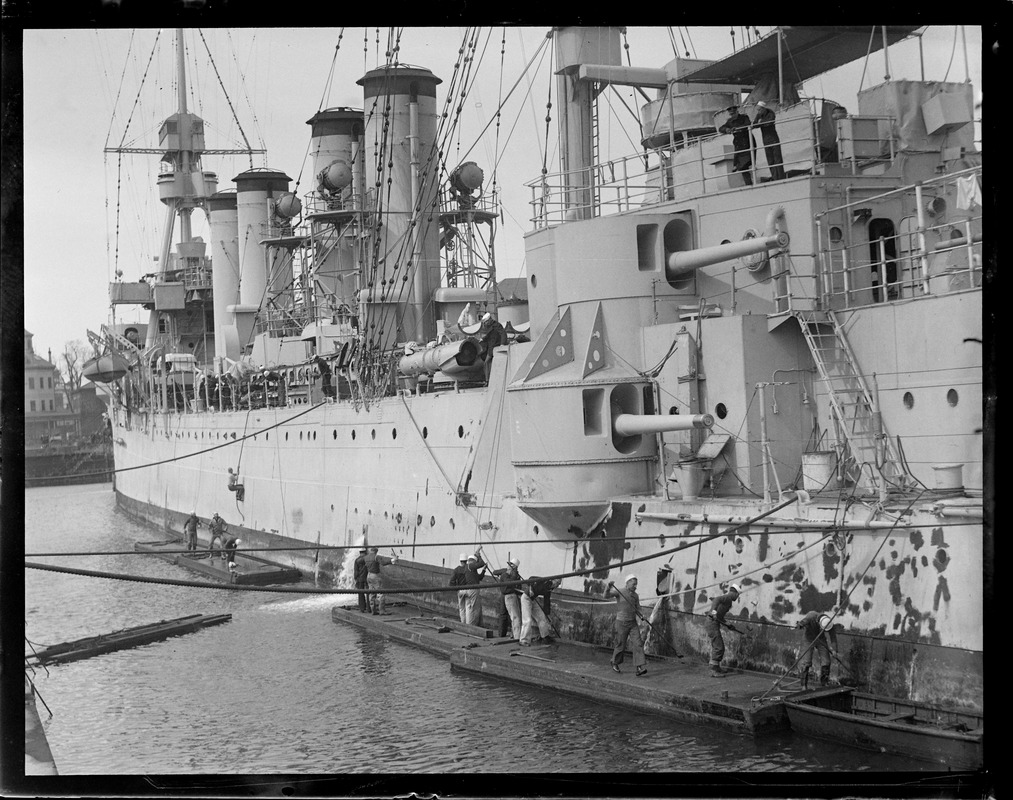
(594, 173)
(873, 455)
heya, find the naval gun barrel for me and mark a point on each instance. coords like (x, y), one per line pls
(636, 424)
(686, 261)
(452, 358)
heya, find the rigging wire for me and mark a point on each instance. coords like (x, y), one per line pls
(228, 99)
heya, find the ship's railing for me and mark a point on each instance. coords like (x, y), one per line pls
(934, 248)
(487, 202)
(811, 134)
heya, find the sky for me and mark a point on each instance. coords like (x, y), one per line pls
(89, 213)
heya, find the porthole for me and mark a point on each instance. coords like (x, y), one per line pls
(418, 520)
(286, 436)
(720, 411)
(460, 431)
(334, 435)
(673, 410)
(372, 434)
(909, 400)
(952, 398)
(393, 433)
(353, 435)
(536, 530)
(836, 234)
(432, 522)
(534, 281)
(425, 432)
(267, 436)
(300, 436)
(314, 436)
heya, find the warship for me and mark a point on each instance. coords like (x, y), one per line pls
(748, 351)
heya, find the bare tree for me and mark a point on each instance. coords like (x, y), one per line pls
(75, 353)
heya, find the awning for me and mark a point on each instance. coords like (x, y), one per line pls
(807, 52)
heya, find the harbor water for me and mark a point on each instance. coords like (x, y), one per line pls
(282, 689)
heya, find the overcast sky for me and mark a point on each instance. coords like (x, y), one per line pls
(80, 88)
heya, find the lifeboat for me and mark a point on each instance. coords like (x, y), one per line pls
(105, 369)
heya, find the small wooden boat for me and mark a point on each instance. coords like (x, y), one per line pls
(126, 638)
(953, 738)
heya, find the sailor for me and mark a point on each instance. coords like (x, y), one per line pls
(764, 120)
(229, 551)
(359, 573)
(820, 636)
(721, 605)
(738, 126)
(325, 376)
(375, 580)
(534, 614)
(491, 335)
(236, 486)
(467, 576)
(190, 531)
(627, 616)
(511, 598)
(217, 530)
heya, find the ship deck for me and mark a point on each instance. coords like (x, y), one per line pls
(680, 689)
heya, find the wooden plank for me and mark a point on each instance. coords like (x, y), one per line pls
(127, 637)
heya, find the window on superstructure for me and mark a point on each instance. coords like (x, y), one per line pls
(647, 246)
(31, 383)
(594, 400)
(32, 408)
(50, 383)
(883, 257)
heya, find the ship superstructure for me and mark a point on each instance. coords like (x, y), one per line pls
(768, 374)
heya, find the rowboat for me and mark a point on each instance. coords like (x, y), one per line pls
(950, 737)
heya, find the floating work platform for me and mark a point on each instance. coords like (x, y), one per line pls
(125, 638)
(250, 569)
(683, 689)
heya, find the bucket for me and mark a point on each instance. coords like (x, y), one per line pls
(690, 476)
(819, 471)
(949, 476)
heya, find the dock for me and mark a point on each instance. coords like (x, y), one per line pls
(250, 570)
(681, 689)
(125, 638)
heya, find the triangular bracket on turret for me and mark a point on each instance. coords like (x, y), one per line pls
(594, 357)
(554, 347)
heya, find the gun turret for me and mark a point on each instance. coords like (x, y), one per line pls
(684, 262)
(637, 424)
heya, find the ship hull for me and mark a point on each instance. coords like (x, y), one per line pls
(428, 477)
